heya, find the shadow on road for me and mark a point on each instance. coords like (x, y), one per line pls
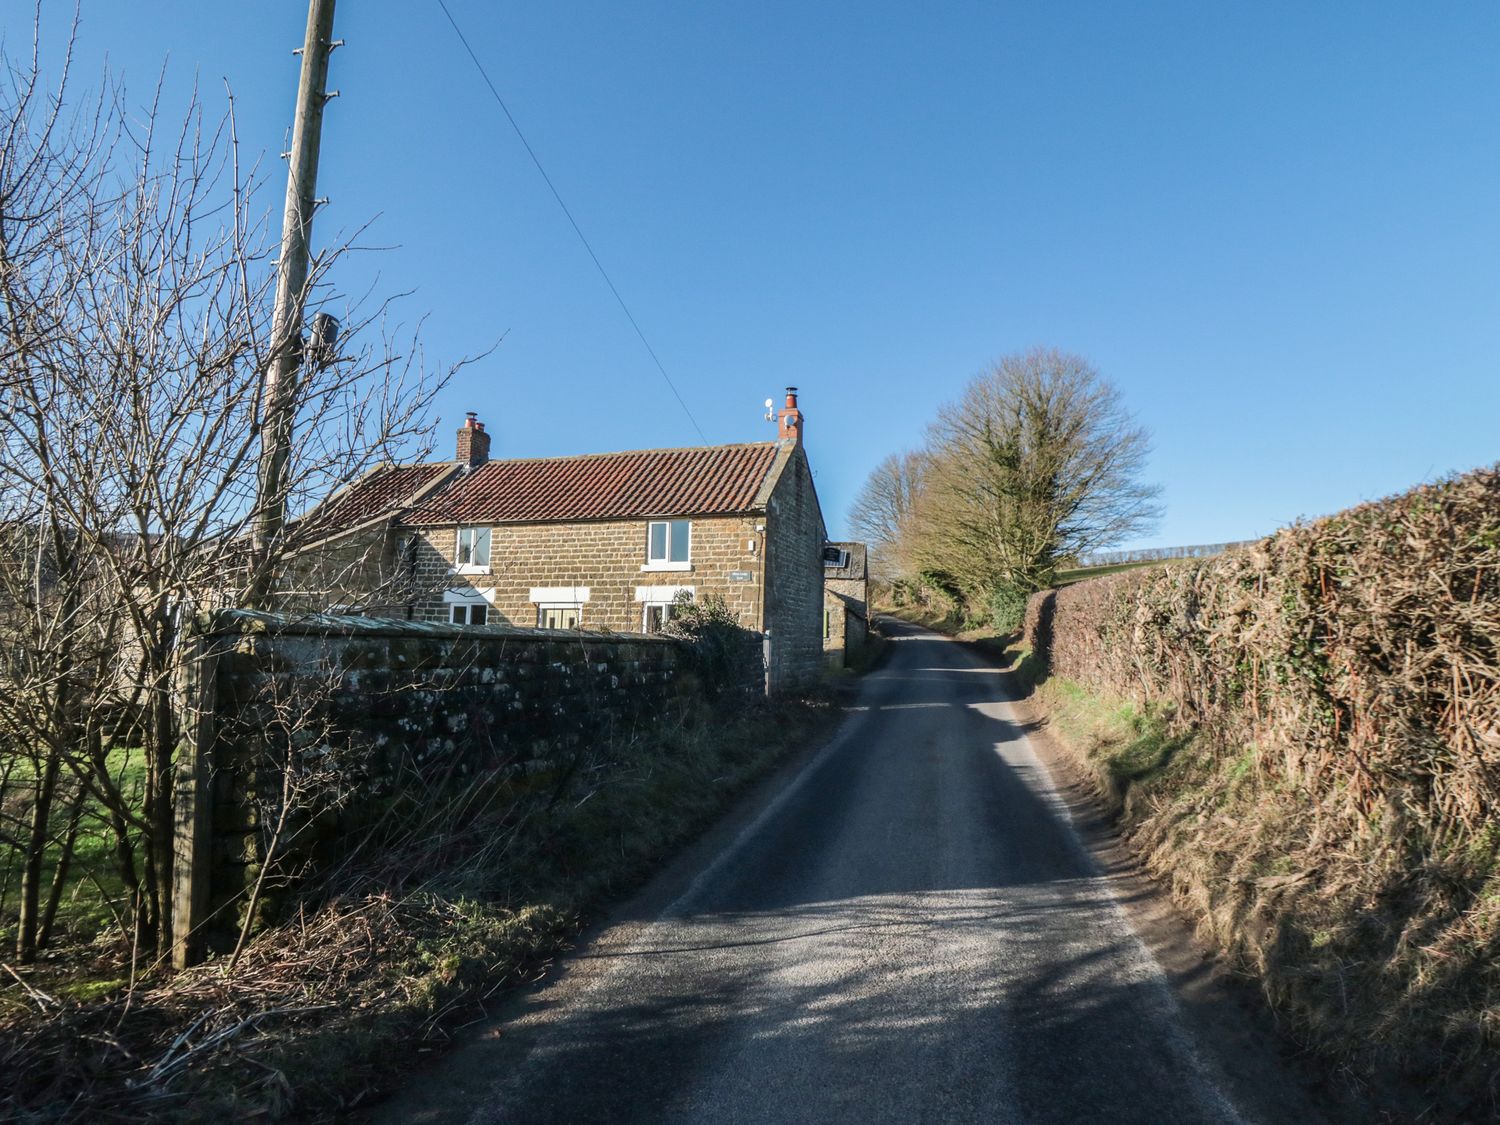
(920, 1007)
(912, 934)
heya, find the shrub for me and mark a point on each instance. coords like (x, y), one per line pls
(726, 655)
(1007, 606)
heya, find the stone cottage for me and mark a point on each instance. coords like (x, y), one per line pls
(606, 541)
(846, 601)
(351, 553)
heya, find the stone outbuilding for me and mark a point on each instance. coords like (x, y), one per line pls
(846, 601)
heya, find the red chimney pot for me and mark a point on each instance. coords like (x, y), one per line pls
(790, 419)
(473, 442)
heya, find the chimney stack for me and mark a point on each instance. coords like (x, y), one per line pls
(790, 418)
(473, 442)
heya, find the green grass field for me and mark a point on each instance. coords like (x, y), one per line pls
(93, 896)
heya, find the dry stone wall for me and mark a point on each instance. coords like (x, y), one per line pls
(352, 716)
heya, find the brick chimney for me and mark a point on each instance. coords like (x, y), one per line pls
(473, 442)
(790, 418)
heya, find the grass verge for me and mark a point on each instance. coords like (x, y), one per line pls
(1378, 959)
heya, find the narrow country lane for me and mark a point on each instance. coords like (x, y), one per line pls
(910, 931)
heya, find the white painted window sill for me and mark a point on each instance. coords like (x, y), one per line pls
(469, 570)
(679, 566)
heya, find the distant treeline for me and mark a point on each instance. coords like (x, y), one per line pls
(1156, 554)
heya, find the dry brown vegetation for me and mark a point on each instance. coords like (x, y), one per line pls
(1304, 737)
(135, 329)
(378, 964)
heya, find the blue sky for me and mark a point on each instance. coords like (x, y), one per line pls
(1273, 225)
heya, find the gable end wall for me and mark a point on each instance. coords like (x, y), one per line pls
(794, 577)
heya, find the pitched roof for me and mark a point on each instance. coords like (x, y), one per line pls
(384, 490)
(856, 566)
(712, 480)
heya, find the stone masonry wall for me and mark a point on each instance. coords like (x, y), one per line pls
(845, 611)
(835, 615)
(606, 557)
(360, 571)
(371, 712)
(854, 592)
(794, 578)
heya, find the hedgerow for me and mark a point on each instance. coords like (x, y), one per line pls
(1329, 808)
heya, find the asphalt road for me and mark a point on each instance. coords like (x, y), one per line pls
(910, 931)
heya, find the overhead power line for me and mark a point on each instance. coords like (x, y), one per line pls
(572, 221)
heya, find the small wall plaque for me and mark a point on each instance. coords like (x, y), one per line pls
(741, 576)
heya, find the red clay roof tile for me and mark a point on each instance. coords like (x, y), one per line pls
(385, 490)
(713, 480)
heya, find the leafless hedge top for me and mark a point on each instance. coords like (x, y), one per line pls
(1358, 655)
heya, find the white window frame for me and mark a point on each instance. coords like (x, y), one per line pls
(660, 598)
(543, 607)
(668, 610)
(559, 597)
(465, 598)
(458, 547)
(667, 562)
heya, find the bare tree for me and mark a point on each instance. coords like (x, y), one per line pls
(1036, 462)
(881, 514)
(135, 285)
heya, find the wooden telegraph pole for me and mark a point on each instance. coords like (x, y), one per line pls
(278, 393)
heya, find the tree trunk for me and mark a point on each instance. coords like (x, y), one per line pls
(161, 741)
(36, 850)
(64, 862)
(113, 800)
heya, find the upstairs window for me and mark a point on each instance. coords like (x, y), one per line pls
(668, 544)
(473, 552)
